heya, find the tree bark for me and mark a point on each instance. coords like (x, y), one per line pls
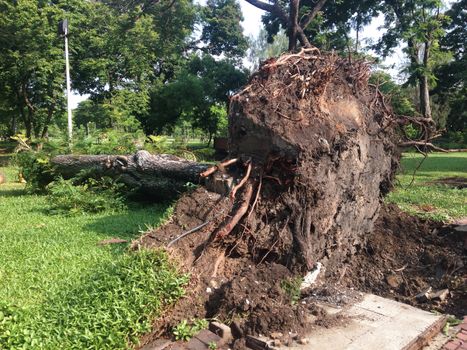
(161, 176)
(295, 29)
(425, 109)
(293, 24)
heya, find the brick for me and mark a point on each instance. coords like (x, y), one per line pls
(462, 336)
(222, 331)
(196, 344)
(463, 326)
(451, 346)
(207, 337)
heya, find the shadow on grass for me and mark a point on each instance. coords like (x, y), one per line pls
(130, 223)
(13, 193)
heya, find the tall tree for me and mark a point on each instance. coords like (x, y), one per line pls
(305, 20)
(222, 32)
(452, 76)
(205, 82)
(420, 24)
(31, 59)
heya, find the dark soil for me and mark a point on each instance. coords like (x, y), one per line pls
(406, 255)
(403, 256)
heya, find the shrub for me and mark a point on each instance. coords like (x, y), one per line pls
(93, 195)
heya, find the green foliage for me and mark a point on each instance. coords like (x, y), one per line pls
(212, 345)
(185, 330)
(109, 310)
(398, 95)
(108, 141)
(31, 60)
(291, 287)
(451, 87)
(92, 196)
(205, 84)
(36, 169)
(261, 49)
(222, 32)
(70, 292)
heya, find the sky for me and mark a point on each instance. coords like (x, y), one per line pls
(252, 25)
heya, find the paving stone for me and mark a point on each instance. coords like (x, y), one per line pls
(207, 337)
(377, 323)
(451, 346)
(159, 344)
(196, 344)
(222, 330)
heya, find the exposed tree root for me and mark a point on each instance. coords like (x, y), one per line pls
(242, 181)
(217, 167)
(241, 211)
(187, 233)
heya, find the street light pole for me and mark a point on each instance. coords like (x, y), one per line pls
(63, 30)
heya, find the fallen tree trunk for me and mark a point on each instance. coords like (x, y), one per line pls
(160, 175)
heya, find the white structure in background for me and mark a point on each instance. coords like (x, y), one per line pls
(63, 31)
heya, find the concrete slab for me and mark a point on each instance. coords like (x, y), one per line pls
(377, 323)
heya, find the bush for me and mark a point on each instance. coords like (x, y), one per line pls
(108, 142)
(90, 196)
(36, 169)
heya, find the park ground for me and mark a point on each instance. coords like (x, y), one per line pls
(58, 285)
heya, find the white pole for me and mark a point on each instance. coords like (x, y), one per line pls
(68, 91)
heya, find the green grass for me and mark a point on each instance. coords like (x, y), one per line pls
(423, 198)
(60, 289)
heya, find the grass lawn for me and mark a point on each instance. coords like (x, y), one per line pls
(422, 197)
(59, 289)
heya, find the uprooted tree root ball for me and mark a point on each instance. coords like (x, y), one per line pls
(313, 149)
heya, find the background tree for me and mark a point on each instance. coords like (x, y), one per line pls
(261, 48)
(452, 77)
(203, 86)
(222, 32)
(419, 24)
(31, 60)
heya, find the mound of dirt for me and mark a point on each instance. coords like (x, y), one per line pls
(323, 148)
(402, 256)
(406, 256)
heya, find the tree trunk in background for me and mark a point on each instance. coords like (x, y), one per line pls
(425, 108)
(293, 24)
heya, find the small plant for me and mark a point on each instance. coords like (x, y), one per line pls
(451, 322)
(291, 287)
(92, 196)
(212, 345)
(185, 331)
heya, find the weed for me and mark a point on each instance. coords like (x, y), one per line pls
(92, 196)
(212, 345)
(108, 309)
(185, 330)
(70, 292)
(291, 287)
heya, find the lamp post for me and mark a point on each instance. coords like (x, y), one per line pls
(63, 31)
